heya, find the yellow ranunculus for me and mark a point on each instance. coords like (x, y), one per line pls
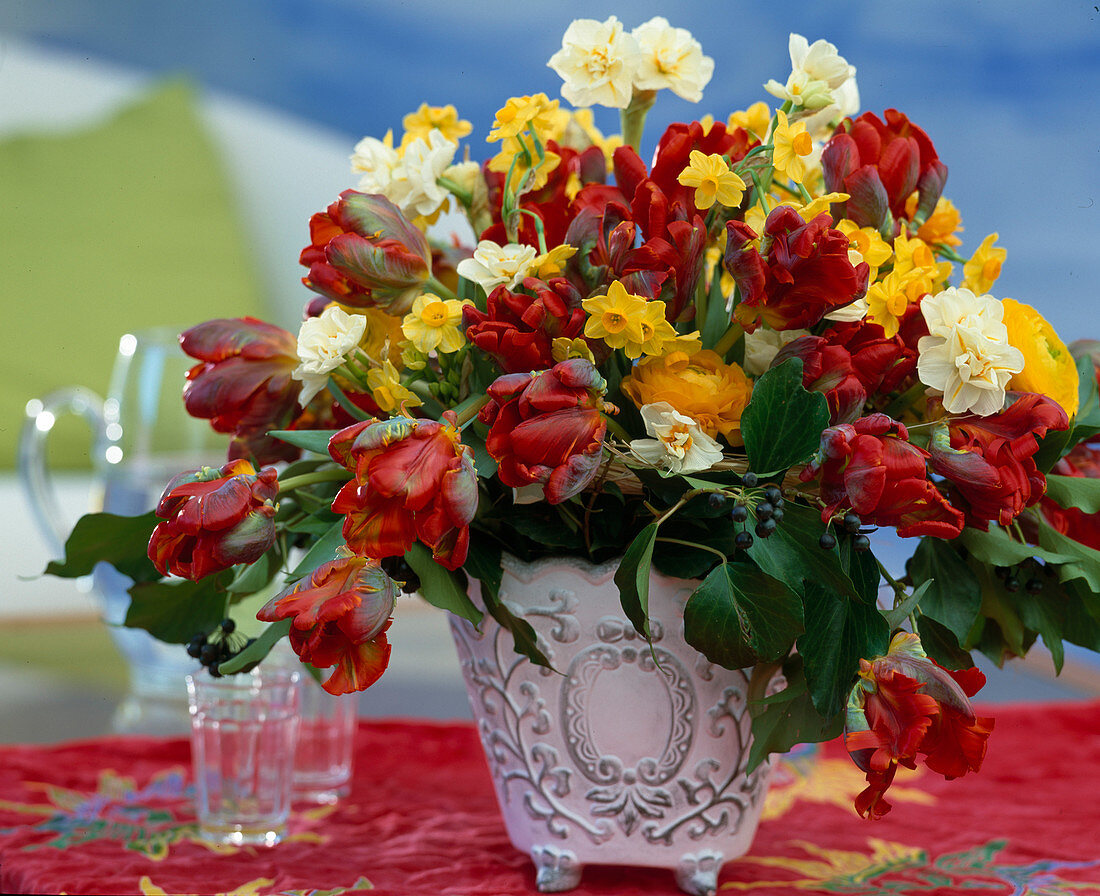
(1048, 365)
(701, 386)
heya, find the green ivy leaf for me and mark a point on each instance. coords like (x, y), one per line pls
(315, 440)
(788, 718)
(1045, 613)
(440, 587)
(897, 615)
(1083, 562)
(632, 577)
(782, 424)
(791, 555)
(839, 633)
(251, 656)
(1074, 491)
(256, 576)
(322, 551)
(122, 541)
(1082, 615)
(174, 612)
(997, 548)
(717, 319)
(740, 616)
(954, 594)
(940, 643)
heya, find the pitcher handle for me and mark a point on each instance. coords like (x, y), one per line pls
(34, 473)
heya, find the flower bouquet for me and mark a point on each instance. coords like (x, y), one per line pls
(731, 365)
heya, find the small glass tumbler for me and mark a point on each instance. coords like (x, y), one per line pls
(243, 733)
(326, 737)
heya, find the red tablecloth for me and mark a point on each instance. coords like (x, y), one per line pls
(113, 816)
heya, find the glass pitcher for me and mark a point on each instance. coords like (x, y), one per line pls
(142, 436)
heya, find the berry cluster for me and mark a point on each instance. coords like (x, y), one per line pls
(767, 512)
(400, 571)
(1013, 577)
(851, 526)
(214, 648)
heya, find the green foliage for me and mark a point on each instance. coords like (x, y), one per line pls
(252, 577)
(174, 612)
(321, 551)
(251, 656)
(315, 440)
(897, 615)
(954, 594)
(782, 424)
(940, 643)
(121, 541)
(1074, 491)
(788, 718)
(441, 587)
(1080, 561)
(632, 577)
(740, 616)
(839, 632)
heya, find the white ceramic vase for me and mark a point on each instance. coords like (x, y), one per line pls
(620, 755)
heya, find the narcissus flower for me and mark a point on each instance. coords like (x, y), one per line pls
(387, 390)
(339, 616)
(792, 146)
(547, 427)
(427, 118)
(214, 519)
(415, 186)
(364, 252)
(966, 355)
(906, 705)
(871, 467)
(244, 382)
(678, 444)
(414, 481)
(1049, 368)
(375, 161)
(984, 266)
(713, 181)
(597, 61)
(434, 324)
(616, 318)
(493, 265)
(700, 386)
(538, 112)
(671, 57)
(817, 72)
(756, 119)
(324, 343)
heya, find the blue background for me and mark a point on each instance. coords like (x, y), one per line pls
(1007, 91)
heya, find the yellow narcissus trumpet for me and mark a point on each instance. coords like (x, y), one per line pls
(1049, 368)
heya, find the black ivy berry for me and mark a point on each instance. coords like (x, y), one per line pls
(861, 543)
(229, 626)
(827, 541)
(742, 540)
(1012, 584)
(764, 511)
(740, 513)
(773, 495)
(195, 645)
(777, 514)
(716, 501)
(764, 528)
(1033, 586)
(851, 523)
(750, 480)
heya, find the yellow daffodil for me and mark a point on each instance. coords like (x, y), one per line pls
(913, 254)
(868, 244)
(1048, 365)
(656, 332)
(940, 226)
(616, 318)
(434, 324)
(700, 386)
(552, 263)
(984, 267)
(563, 348)
(791, 146)
(434, 118)
(520, 112)
(888, 299)
(520, 155)
(815, 207)
(713, 180)
(385, 385)
(754, 119)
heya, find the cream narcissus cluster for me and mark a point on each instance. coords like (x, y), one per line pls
(768, 326)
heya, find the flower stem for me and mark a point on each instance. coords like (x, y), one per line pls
(293, 482)
(731, 335)
(466, 411)
(901, 404)
(691, 544)
(633, 117)
(616, 428)
(439, 289)
(899, 589)
(346, 403)
(463, 196)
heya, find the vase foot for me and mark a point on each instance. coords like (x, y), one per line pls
(697, 873)
(557, 869)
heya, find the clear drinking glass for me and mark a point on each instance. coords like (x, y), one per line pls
(326, 737)
(243, 734)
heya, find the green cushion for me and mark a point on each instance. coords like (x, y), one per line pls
(119, 228)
